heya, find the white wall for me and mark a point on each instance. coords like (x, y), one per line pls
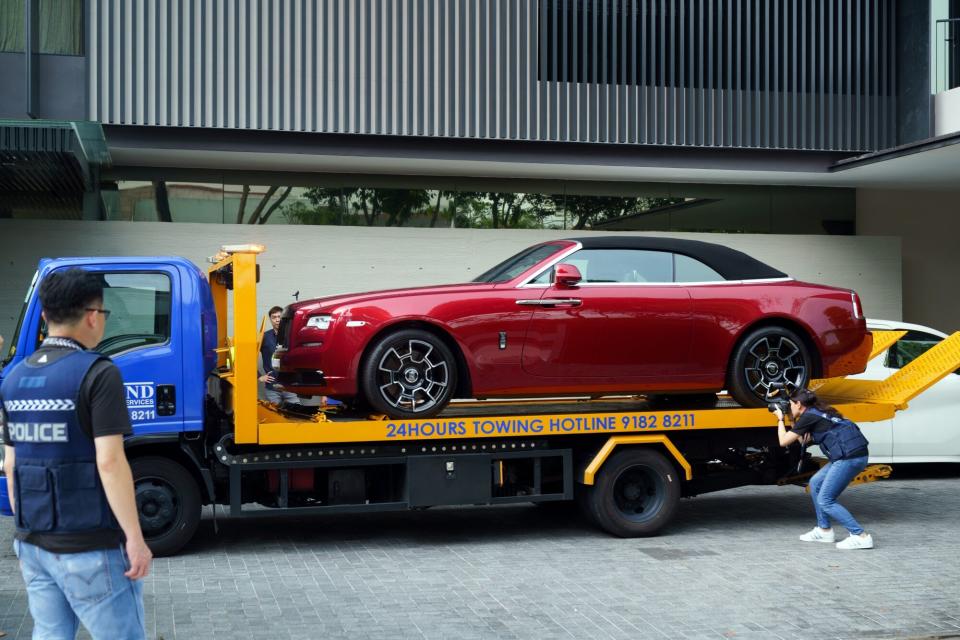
(321, 260)
(929, 224)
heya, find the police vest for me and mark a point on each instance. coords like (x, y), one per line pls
(840, 441)
(56, 485)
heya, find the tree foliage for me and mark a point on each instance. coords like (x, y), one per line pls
(466, 209)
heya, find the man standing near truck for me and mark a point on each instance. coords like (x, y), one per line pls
(268, 344)
(78, 537)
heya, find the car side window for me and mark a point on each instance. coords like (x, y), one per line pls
(139, 305)
(623, 265)
(909, 348)
(687, 269)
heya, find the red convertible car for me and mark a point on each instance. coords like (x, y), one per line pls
(585, 316)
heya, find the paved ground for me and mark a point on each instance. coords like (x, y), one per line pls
(729, 567)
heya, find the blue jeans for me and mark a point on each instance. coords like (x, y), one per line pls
(67, 589)
(827, 484)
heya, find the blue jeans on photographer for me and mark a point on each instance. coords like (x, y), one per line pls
(827, 485)
(68, 589)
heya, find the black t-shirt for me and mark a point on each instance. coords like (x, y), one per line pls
(102, 411)
(809, 423)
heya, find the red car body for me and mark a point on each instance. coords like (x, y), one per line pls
(620, 338)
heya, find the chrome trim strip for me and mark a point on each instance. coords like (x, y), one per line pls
(665, 284)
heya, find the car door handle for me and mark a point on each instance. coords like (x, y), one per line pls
(552, 302)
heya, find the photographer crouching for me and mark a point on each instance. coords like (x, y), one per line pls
(845, 446)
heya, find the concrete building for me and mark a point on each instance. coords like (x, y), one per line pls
(796, 117)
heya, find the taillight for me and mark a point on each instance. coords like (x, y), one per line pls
(857, 309)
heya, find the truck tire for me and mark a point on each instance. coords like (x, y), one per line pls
(635, 494)
(168, 502)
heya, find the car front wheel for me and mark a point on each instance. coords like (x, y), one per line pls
(409, 374)
(766, 359)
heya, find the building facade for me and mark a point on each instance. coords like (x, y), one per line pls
(665, 115)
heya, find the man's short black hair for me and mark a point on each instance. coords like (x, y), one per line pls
(274, 310)
(65, 294)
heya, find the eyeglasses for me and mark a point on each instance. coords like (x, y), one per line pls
(105, 312)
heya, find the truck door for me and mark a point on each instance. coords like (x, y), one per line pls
(143, 337)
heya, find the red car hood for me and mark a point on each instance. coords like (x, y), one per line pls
(331, 302)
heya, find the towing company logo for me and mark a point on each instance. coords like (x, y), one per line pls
(141, 395)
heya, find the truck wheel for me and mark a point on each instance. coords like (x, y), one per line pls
(168, 502)
(635, 494)
(409, 374)
(766, 356)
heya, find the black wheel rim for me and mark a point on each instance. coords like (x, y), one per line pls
(774, 360)
(639, 493)
(158, 506)
(413, 376)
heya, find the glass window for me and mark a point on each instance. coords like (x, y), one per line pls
(139, 305)
(687, 269)
(60, 27)
(623, 265)
(909, 348)
(515, 265)
(12, 347)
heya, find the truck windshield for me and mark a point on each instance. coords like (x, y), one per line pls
(12, 346)
(515, 265)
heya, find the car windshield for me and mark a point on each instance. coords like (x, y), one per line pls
(12, 348)
(515, 265)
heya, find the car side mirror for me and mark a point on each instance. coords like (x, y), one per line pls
(566, 275)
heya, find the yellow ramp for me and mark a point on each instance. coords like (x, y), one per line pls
(905, 384)
(883, 340)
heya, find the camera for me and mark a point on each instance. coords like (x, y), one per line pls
(778, 398)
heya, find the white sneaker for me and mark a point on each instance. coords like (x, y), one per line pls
(818, 535)
(856, 542)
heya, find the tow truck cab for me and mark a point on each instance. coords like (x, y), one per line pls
(162, 333)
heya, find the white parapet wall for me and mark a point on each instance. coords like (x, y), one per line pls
(324, 260)
(946, 112)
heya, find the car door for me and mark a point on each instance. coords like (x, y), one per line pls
(928, 429)
(144, 340)
(625, 321)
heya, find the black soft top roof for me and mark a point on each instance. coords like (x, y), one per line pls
(729, 263)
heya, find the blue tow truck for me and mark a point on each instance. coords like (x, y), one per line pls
(201, 436)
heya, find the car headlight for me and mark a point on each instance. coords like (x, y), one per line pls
(321, 322)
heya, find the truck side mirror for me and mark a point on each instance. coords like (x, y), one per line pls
(566, 275)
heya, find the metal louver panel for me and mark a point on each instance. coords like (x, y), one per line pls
(791, 74)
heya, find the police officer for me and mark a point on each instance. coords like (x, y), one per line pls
(845, 446)
(78, 537)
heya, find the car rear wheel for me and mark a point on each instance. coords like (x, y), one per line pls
(409, 374)
(766, 358)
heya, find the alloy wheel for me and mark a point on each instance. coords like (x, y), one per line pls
(774, 359)
(413, 376)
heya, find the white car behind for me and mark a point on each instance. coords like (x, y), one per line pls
(928, 430)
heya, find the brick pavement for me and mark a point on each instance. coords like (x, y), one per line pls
(729, 567)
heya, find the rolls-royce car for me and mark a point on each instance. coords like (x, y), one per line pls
(587, 316)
